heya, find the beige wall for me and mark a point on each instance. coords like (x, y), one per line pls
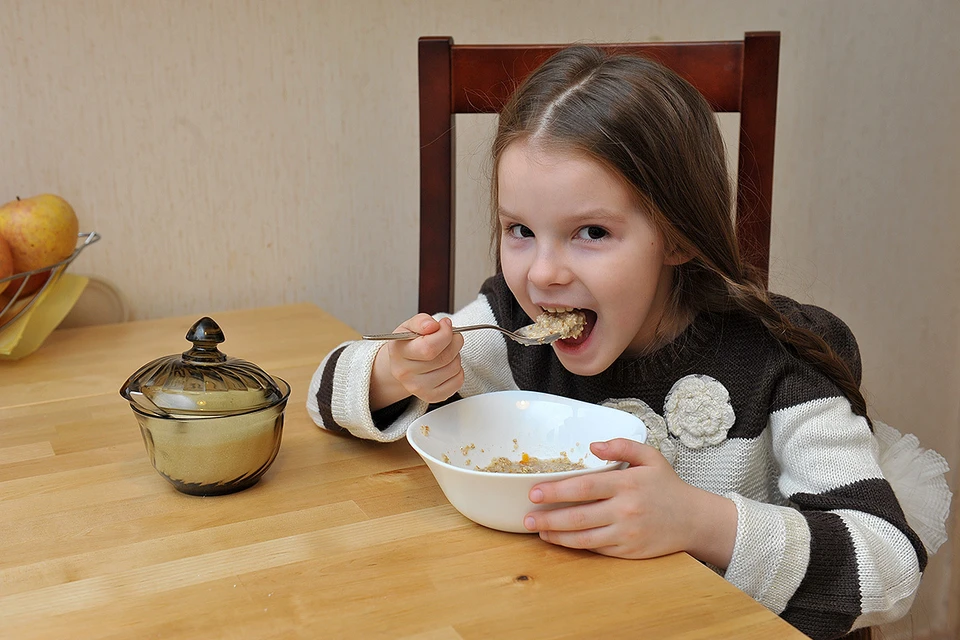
(236, 153)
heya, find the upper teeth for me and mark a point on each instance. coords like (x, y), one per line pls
(557, 309)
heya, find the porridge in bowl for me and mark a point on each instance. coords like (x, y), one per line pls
(532, 464)
(475, 448)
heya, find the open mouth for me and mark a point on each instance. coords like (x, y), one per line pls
(591, 320)
(585, 321)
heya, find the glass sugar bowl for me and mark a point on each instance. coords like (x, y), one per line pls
(211, 424)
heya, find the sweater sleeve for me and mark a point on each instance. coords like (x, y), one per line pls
(837, 553)
(841, 555)
(339, 396)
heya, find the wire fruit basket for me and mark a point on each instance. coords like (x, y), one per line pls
(14, 302)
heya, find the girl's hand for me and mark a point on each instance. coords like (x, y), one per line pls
(643, 511)
(427, 367)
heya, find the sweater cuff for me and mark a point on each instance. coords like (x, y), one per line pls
(386, 416)
(771, 552)
(350, 396)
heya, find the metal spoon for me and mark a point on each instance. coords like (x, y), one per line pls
(146, 404)
(524, 335)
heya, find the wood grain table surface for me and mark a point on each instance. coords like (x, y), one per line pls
(341, 538)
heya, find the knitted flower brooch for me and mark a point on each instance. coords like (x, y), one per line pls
(657, 436)
(698, 411)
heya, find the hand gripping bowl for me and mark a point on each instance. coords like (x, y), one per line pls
(211, 424)
(457, 439)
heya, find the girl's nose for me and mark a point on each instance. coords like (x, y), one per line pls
(548, 268)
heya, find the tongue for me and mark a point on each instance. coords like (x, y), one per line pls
(591, 318)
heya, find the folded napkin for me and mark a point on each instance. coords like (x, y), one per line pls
(25, 336)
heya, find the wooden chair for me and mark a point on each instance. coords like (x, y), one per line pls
(734, 76)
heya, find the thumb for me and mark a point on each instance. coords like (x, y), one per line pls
(422, 323)
(636, 454)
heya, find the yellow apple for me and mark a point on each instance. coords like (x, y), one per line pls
(41, 231)
(6, 265)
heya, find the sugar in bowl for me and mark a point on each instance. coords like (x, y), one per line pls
(211, 424)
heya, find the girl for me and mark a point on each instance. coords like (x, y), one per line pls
(611, 197)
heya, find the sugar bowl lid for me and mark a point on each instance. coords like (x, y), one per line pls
(202, 381)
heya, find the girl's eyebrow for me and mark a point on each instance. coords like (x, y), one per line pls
(600, 214)
(590, 214)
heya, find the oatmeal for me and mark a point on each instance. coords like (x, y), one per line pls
(532, 464)
(569, 324)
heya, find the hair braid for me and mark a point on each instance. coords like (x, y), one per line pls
(810, 346)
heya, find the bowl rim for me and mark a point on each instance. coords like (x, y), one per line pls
(608, 464)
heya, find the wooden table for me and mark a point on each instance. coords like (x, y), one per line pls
(341, 538)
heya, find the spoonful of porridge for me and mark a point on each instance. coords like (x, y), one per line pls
(549, 327)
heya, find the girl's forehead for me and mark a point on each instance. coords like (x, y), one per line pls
(545, 153)
(522, 162)
(530, 173)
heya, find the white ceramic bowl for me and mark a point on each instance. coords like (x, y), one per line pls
(459, 437)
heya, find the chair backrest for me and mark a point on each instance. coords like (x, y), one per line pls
(734, 76)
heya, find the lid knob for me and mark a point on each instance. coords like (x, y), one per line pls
(205, 334)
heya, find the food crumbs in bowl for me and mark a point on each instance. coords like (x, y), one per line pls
(532, 464)
(465, 450)
(425, 430)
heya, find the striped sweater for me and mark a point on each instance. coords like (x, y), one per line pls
(821, 539)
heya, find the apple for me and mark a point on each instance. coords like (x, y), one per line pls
(41, 231)
(6, 264)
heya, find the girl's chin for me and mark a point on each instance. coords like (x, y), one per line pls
(580, 366)
(580, 356)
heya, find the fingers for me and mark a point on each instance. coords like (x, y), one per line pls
(592, 539)
(440, 384)
(594, 486)
(600, 486)
(438, 343)
(625, 450)
(635, 512)
(421, 323)
(594, 490)
(428, 367)
(588, 526)
(580, 517)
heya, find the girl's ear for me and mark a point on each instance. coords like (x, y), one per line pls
(677, 256)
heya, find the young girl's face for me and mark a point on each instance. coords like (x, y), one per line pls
(573, 236)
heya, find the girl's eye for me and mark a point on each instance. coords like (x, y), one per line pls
(592, 233)
(519, 231)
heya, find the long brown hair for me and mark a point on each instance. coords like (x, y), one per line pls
(658, 133)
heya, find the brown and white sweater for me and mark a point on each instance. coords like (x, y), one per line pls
(821, 539)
